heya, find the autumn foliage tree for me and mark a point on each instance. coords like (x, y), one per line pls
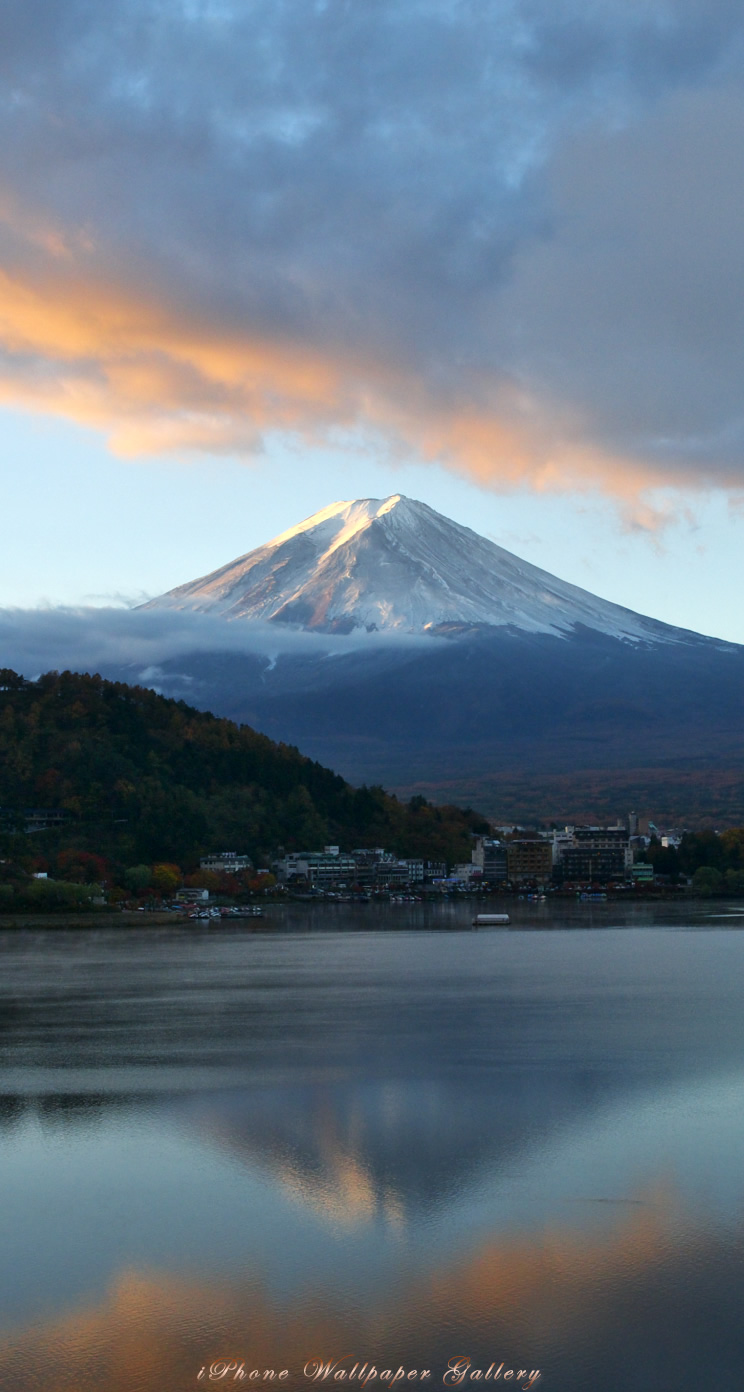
(166, 879)
(82, 867)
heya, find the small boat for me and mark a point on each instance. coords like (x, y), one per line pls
(490, 920)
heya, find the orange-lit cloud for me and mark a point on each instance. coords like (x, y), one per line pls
(254, 225)
(158, 377)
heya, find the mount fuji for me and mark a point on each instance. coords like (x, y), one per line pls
(397, 565)
(399, 647)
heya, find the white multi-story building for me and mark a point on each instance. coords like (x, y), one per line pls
(320, 869)
(562, 841)
(226, 863)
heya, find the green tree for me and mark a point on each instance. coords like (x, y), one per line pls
(732, 842)
(137, 877)
(707, 880)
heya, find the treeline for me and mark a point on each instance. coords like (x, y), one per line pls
(79, 880)
(147, 780)
(715, 862)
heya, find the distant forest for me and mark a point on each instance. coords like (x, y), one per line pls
(145, 779)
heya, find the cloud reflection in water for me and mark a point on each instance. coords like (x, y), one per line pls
(377, 1143)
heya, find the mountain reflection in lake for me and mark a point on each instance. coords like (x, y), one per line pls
(524, 1148)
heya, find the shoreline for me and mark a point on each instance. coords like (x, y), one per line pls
(156, 918)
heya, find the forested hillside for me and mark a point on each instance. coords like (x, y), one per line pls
(145, 779)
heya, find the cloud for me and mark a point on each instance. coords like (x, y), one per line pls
(101, 640)
(503, 237)
(643, 264)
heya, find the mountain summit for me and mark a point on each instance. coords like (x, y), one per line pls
(396, 564)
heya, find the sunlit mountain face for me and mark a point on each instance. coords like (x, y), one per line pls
(406, 649)
(396, 565)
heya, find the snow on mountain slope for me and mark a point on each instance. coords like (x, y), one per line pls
(396, 564)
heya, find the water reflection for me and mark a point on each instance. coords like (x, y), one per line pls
(519, 1147)
(398, 1147)
(649, 1303)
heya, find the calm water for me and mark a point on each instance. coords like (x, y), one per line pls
(521, 1148)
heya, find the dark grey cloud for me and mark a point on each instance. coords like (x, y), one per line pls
(639, 48)
(644, 264)
(524, 213)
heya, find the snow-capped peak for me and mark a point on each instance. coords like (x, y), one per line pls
(396, 564)
(338, 524)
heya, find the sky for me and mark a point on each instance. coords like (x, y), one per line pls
(256, 257)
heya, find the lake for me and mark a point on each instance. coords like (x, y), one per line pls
(373, 1138)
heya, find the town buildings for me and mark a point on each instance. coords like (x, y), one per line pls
(363, 869)
(572, 856)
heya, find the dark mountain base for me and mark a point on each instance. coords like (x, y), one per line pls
(693, 799)
(524, 726)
